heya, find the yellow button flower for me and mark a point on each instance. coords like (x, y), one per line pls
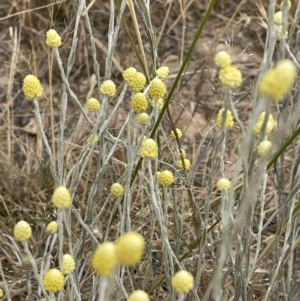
(187, 164)
(104, 259)
(165, 178)
(129, 74)
(68, 264)
(1, 293)
(52, 227)
(53, 280)
(22, 231)
(61, 197)
(143, 118)
(162, 72)
(264, 147)
(223, 184)
(130, 248)
(139, 102)
(138, 295)
(230, 77)
(278, 81)
(32, 87)
(183, 281)
(149, 149)
(53, 39)
(93, 104)
(157, 89)
(222, 59)
(229, 119)
(157, 102)
(258, 125)
(179, 133)
(137, 82)
(108, 88)
(116, 190)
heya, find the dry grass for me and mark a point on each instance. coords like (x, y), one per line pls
(26, 183)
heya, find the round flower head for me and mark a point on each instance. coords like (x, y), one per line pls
(32, 87)
(149, 149)
(137, 83)
(165, 178)
(53, 280)
(278, 81)
(230, 77)
(278, 18)
(104, 259)
(22, 231)
(162, 72)
(157, 89)
(289, 4)
(129, 74)
(187, 164)
(143, 118)
(52, 227)
(68, 264)
(222, 59)
(138, 295)
(108, 88)
(139, 102)
(279, 33)
(61, 197)
(1, 293)
(116, 190)
(130, 248)
(159, 103)
(179, 133)
(53, 39)
(93, 104)
(264, 147)
(182, 282)
(223, 184)
(258, 125)
(229, 119)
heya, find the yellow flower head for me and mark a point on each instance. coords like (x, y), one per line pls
(258, 125)
(223, 184)
(53, 39)
(278, 81)
(229, 119)
(104, 259)
(61, 197)
(53, 280)
(130, 248)
(183, 152)
(279, 33)
(264, 147)
(159, 103)
(157, 89)
(162, 72)
(137, 83)
(129, 74)
(278, 18)
(179, 133)
(52, 227)
(108, 88)
(116, 190)
(165, 178)
(149, 149)
(182, 281)
(138, 295)
(230, 77)
(139, 102)
(222, 59)
(1, 293)
(22, 231)
(143, 118)
(68, 264)
(93, 104)
(187, 164)
(289, 4)
(32, 87)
